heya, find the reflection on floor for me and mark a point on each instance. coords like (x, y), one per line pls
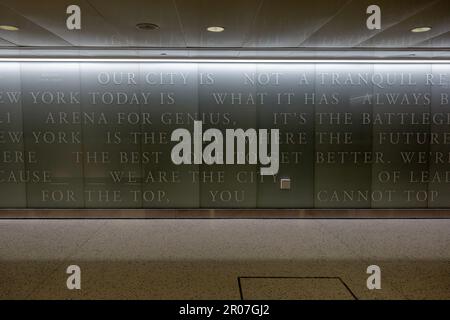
(225, 258)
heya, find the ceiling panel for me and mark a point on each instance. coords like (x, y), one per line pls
(30, 34)
(5, 43)
(440, 41)
(249, 24)
(437, 16)
(51, 15)
(124, 15)
(234, 15)
(289, 23)
(348, 27)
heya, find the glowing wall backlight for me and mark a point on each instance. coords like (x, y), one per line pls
(96, 134)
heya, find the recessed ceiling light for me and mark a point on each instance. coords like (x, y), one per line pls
(8, 28)
(421, 29)
(147, 26)
(215, 29)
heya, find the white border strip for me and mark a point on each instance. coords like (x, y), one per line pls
(180, 60)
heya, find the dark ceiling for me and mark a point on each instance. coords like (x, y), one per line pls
(251, 24)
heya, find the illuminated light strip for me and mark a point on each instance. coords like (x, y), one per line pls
(81, 59)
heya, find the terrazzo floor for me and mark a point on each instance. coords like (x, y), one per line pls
(225, 258)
